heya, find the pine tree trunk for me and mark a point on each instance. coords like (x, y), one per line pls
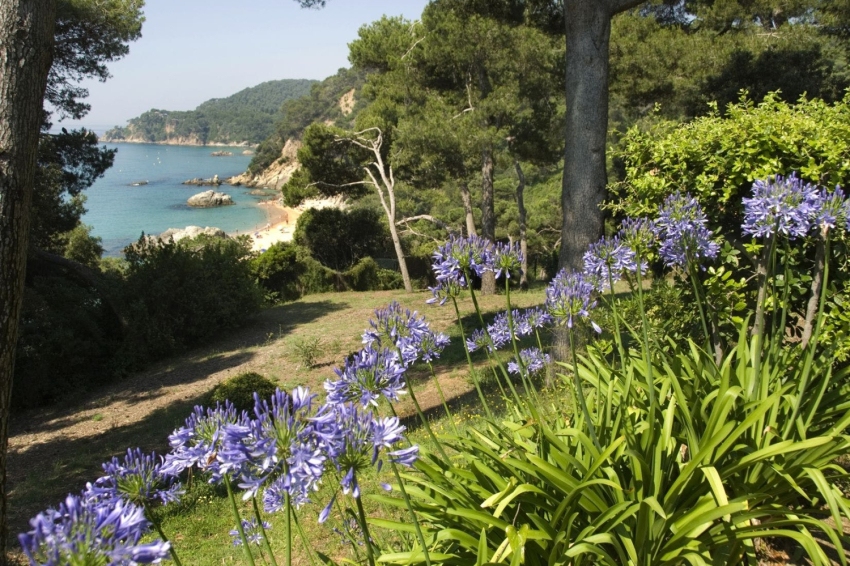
(26, 47)
(523, 239)
(399, 252)
(488, 215)
(467, 209)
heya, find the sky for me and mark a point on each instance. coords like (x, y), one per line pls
(194, 50)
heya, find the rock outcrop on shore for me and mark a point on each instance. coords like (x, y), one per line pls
(208, 199)
(277, 174)
(178, 234)
(214, 182)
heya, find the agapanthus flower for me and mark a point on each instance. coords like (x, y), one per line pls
(367, 376)
(783, 205)
(478, 339)
(639, 234)
(570, 296)
(197, 442)
(278, 447)
(432, 345)
(91, 531)
(533, 360)
(252, 530)
(137, 478)
(537, 317)
(407, 331)
(682, 229)
(353, 440)
(461, 256)
(522, 326)
(607, 259)
(507, 258)
(445, 290)
(830, 209)
(499, 331)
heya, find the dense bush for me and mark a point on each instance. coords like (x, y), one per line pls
(181, 293)
(240, 390)
(340, 238)
(277, 271)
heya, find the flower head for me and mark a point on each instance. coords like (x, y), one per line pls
(568, 296)
(830, 209)
(783, 205)
(639, 234)
(367, 376)
(407, 331)
(91, 531)
(682, 229)
(458, 257)
(533, 360)
(507, 258)
(608, 258)
(137, 478)
(252, 530)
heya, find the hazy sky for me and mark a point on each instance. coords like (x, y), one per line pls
(194, 50)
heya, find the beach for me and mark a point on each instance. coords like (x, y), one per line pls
(279, 227)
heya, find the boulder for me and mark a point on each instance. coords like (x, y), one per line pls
(178, 234)
(209, 199)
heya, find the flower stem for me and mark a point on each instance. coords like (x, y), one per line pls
(288, 524)
(156, 524)
(262, 528)
(469, 360)
(443, 398)
(580, 394)
(526, 379)
(409, 505)
(310, 552)
(239, 526)
(365, 528)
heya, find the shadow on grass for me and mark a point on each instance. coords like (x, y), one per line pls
(41, 475)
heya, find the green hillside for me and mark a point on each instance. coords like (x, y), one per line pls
(245, 117)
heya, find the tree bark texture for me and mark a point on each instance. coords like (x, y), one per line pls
(26, 52)
(588, 31)
(467, 209)
(523, 239)
(488, 215)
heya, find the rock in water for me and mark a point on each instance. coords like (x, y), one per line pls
(209, 199)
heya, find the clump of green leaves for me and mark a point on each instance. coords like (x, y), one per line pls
(241, 388)
(306, 350)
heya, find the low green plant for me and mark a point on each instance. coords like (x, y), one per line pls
(307, 350)
(240, 390)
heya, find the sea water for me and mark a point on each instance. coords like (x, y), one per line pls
(121, 207)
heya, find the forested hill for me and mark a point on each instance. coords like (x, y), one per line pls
(247, 117)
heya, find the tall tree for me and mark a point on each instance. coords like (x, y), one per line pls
(26, 54)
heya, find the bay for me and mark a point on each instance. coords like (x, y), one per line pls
(119, 212)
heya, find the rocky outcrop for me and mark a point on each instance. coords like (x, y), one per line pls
(198, 182)
(208, 199)
(347, 102)
(221, 153)
(277, 174)
(178, 234)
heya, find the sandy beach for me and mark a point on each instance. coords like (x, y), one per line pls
(279, 227)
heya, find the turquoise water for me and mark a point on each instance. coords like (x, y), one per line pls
(120, 212)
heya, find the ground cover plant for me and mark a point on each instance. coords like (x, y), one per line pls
(660, 454)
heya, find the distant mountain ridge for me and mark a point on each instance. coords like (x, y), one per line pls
(245, 118)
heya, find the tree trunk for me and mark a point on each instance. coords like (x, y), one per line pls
(523, 240)
(488, 215)
(588, 31)
(26, 51)
(402, 262)
(467, 208)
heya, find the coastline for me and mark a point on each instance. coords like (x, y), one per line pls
(243, 145)
(279, 227)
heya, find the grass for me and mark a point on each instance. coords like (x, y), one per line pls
(200, 525)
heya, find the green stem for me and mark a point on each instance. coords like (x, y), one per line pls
(288, 527)
(618, 338)
(266, 544)
(526, 379)
(409, 505)
(156, 524)
(239, 526)
(580, 394)
(492, 345)
(302, 535)
(443, 398)
(698, 300)
(365, 528)
(469, 360)
(646, 350)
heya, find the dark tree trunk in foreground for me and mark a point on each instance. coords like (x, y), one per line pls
(26, 45)
(488, 215)
(588, 30)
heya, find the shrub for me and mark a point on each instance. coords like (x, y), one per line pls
(181, 293)
(307, 350)
(339, 239)
(240, 390)
(277, 271)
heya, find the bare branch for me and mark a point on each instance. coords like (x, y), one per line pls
(427, 217)
(418, 41)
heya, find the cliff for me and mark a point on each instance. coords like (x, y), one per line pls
(275, 175)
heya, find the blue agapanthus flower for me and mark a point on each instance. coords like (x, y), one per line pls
(407, 331)
(639, 234)
(607, 259)
(137, 478)
(252, 530)
(570, 296)
(783, 205)
(445, 290)
(830, 209)
(499, 331)
(682, 230)
(198, 441)
(477, 340)
(533, 360)
(367, 376)
(507, 258)
(354, 440)
(538, 317)
(461, 256)
(91, 531)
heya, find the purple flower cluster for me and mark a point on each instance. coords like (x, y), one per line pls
(252, 530)
(507, 258)
(783, 205)
(407, 332)
(533, 360)
(682, 230)
(91, 531)
(570, 296)
(607, 259)
(138, 478)
(367, 376)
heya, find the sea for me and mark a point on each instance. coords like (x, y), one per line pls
(143, 193)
